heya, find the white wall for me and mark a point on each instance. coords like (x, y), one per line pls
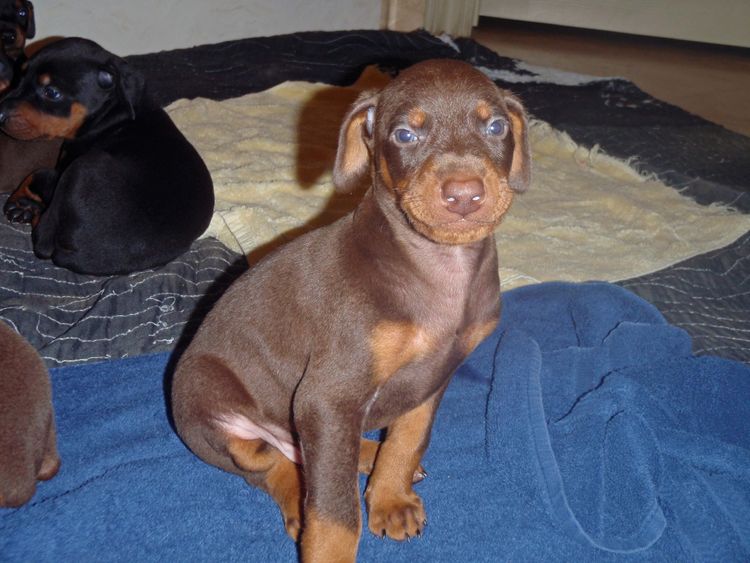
(128, 27)
(726, 22)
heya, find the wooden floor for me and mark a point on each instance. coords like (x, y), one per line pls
(710, 81)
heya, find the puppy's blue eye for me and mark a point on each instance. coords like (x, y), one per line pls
(51, 93)
(405, 136)
(497, 128)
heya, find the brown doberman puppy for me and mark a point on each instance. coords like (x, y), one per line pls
(360, 325)
(28, 449)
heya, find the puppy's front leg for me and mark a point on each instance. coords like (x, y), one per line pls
(393, 508)
(29, 200)
(329, 436)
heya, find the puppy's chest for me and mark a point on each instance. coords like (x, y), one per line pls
(413, 357)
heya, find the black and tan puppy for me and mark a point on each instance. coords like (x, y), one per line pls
(129, 192)
(28, 449)
(18, 158)
(359, 325)
(17, 24)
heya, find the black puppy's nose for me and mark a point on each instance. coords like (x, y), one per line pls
(8, 37)
(463, 197)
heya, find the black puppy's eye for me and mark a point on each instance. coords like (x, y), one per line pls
(22, 13)
(497, 128)
(51, 93)
(405, 136)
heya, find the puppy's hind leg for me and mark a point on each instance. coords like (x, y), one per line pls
(214, 415)
(268, 469)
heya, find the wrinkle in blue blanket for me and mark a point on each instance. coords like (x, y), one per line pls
(583, 429)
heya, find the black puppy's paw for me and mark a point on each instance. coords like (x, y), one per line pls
(22, 209)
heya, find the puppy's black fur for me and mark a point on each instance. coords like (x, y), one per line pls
(16, 26)
(129, 192)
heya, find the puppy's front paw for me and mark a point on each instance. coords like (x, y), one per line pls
(399, 516)
(23, 206)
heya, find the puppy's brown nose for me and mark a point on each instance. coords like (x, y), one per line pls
(463, 196)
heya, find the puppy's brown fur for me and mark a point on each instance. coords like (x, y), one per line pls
(28, 449)
(359, 325)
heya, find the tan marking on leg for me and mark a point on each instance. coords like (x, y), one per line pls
(24, 190)
(281, 478)
(326, 541)
(368, 453)
(471, 338)
(393, 507)
(395, 344)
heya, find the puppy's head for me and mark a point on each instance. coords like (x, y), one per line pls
(71, 88)
(447, 145)
(16, 26)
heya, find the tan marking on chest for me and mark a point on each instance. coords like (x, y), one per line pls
(473, 335)
(395, 344)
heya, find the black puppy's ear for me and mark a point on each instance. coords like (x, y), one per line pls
(129, 83)
(355, 140)
(520, 167)
(30, 23)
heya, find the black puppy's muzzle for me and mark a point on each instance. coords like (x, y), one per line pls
(8, 38)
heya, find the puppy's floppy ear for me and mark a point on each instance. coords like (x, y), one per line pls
(520, 168)
(128, 82)
(355, 140)
(30, 23)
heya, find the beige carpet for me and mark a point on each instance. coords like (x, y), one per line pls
(587, 216)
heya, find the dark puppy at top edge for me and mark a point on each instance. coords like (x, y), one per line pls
(18, 158)
(28, 445)
(16, 26)
(360, 325)
(129, 192)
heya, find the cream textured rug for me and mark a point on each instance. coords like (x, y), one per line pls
(586, 216)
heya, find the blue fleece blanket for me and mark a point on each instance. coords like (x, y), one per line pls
(583, 429)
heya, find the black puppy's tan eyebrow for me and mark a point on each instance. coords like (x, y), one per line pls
(44, 79)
